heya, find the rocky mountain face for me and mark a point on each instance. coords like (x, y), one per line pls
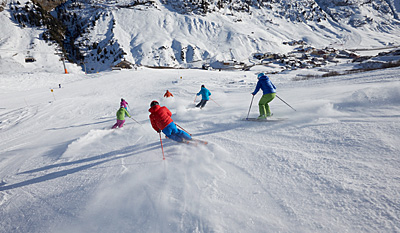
(73, 23)
(300, 11)
(379, 13)
(354, 12)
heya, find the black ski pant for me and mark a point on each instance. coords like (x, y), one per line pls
(202, 103)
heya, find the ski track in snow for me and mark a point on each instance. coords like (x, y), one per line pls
(331, 167)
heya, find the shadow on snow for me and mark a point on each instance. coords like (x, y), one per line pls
(128, 151)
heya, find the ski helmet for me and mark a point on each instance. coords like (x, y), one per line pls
(153, 103)
(260, 75)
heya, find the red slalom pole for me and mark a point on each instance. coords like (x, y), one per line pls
(162, 148)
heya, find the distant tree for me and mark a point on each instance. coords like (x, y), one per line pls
(204, 6)
(220, 4)
(44, 36)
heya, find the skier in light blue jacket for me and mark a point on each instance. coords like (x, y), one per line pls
(269, 93)
(205, 96)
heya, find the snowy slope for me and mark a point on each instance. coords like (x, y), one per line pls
(331, 167)
(17, 43)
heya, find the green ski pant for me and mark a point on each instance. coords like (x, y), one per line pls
(263, 104)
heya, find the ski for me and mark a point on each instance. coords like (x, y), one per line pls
(194, 141)
(199, 141)
(272, 119)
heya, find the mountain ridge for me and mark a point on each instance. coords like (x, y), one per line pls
(100, 34)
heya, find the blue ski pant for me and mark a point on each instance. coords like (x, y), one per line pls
(175, 134)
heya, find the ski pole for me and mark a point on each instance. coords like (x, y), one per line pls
(250, 107)
(132, 117)
(162, 148)
(195, 99)
(183, 129)
(215, 102)
(135, 120)
(285, 102)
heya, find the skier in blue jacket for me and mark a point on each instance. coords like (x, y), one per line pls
(205, 96)
(269, 93)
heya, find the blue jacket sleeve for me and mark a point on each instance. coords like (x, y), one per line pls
(257, 88)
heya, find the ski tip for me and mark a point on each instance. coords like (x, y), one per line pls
(198, 141)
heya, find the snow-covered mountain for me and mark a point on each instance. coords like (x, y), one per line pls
(330, 166)
(181, 33)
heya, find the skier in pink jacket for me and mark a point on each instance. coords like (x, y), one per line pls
(123, 104)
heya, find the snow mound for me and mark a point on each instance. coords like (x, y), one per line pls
(371, 97)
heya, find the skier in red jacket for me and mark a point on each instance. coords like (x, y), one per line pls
(168, 94)
(160, 119)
